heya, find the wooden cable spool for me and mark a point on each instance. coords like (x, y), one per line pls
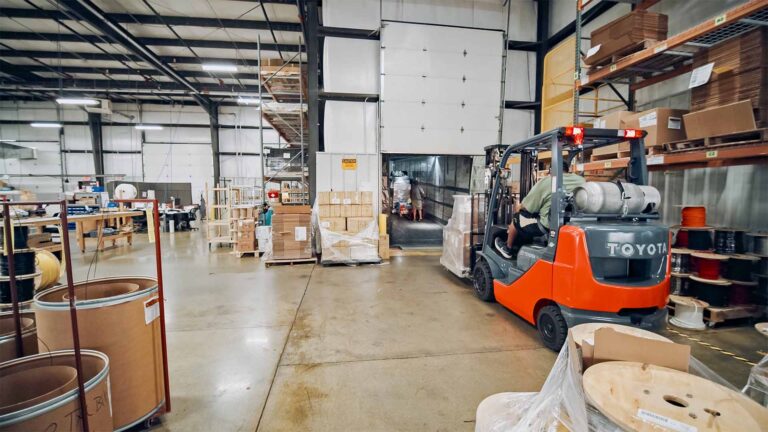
(645, 398)
(116, 316)
(689, 312)
(712, 291)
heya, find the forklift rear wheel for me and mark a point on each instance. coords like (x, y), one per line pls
(482, 281)
(552, 327)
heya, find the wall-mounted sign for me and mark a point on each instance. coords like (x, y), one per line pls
(349, 164)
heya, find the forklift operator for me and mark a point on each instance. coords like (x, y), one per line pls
(535, 212)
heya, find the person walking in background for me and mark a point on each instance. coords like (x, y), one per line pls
(417, 200)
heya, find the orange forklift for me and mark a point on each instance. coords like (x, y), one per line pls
(605, 257)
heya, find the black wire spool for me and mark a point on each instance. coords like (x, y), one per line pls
(740, 268)
(729, 241)
(23, 262)
(762, 266)
(20, 235)
(25, 290)
(678, 285)
(761, 293)
(699, 240)
(680, 260)
(760, 244)
(716, 293)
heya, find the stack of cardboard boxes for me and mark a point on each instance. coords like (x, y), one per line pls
(662, 124)
(245, 235)
(291, 232)
(739, 73)
(348, 231)
(621, 36)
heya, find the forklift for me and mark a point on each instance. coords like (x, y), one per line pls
(592, 266)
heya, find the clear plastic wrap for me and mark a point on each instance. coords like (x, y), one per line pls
(757, 384)
(561, 404)
(359, 245)
(289, 237)
(456, 237)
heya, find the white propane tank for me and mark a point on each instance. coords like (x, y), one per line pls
(605, 198)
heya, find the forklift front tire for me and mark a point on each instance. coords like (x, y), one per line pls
(552, 327)
(482, 281)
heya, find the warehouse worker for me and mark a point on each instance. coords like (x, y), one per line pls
(535, 211)
(417, 200)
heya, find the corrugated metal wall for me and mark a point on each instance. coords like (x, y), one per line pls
(735, 197)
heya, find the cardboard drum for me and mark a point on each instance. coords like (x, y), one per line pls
(119, 317)
(8, 335)
(39, 392)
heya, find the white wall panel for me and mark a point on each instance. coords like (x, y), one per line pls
(245, 140)
(522, 20)
(121, 138)
(244, 115)
(521, 76)
(77, 138)
(179, 135)
(79, 163)
(467, 13)
(128, 164)
(48, 162)
(330, 175)
(360, 14)
(518, 125)
(351, 66)
(440, 89)
(189, 163)
(241, 167)
(350, 127)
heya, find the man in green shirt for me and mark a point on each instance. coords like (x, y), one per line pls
(535, 211)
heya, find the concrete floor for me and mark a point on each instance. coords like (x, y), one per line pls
(402, 346)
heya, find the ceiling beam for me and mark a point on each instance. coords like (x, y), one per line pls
(68, 55)
(152, 41)
(586, 17)
(126, 18)
(21, 73)
(109, 85)
(122, 71)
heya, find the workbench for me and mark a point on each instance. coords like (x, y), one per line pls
(85, 224)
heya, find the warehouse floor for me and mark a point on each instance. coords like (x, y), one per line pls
(400, 346)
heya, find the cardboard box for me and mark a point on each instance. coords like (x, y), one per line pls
(323, 198)
(357, 224)
(610, 345)
(366, 197)
(384, 246)
(614, 120)
(662, 124)
(337, 197)
(336, 224)
(291, 209)
(291, 235)
(324, 210)
(731, 118)
(350, 210)
(336, 210)
(364, 252)
(366, 210)
(351, 197)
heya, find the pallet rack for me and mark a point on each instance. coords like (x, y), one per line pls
(663, 60)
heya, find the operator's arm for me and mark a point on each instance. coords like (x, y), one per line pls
(535, 198)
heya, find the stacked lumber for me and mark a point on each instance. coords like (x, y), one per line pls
(740, 73)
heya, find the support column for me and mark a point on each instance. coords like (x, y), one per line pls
(542, 36)
(213, 113)
(97, 143)
(312, 26)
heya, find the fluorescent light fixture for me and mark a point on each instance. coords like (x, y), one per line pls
(210, 67)
(45, 125)
(248, 101)
(7, 140)
(148, 127)
(76, 101)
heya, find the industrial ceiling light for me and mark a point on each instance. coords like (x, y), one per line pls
(45, 125)
(7, 140)
(148, 127)
(76, 101)
(211, 67)
(248, 101)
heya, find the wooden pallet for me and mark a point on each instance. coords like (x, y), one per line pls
(716, 315)
(349, 262)
(734, 139)
(649, 151)
(240, 254)
(618, 55)
(271, 262)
